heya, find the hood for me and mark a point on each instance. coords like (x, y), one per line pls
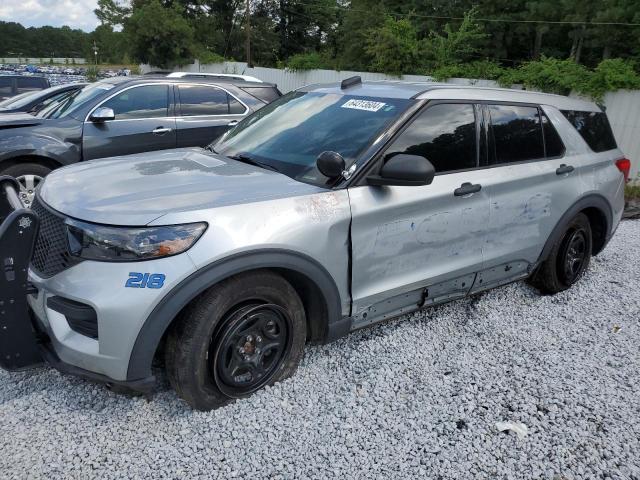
(134, 190)
(19, 119)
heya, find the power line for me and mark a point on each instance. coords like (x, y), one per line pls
(492, 20)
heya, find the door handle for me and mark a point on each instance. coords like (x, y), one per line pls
(467, 189)
(232, 123)
(562, 169)
(161, 131)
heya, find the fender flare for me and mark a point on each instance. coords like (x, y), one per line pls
(592, 200)
(157, 323)
(40, 153)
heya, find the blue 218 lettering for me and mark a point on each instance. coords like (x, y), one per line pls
(145, 280)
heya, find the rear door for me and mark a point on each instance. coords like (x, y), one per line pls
(408, 239)
(144, 121)
(528, 185)
(205, 112)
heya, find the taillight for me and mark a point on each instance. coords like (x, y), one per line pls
(624, 166)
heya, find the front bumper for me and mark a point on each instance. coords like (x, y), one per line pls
(35, 332)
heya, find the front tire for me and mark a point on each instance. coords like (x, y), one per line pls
(29, 176)
(568, 260)
(241, 335)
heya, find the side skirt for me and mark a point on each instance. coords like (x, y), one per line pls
(439, 293)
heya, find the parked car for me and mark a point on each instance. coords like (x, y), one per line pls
(12, 85)
(120, 116)
(33, 102)
(333, 208)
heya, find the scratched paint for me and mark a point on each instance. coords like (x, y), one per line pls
(512, 222)
(320, 208)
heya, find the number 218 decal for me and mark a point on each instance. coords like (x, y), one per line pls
(145, 280)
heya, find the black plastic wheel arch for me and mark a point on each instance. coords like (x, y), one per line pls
(163, 314)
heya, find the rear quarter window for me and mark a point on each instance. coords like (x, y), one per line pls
(594, 128)
(266, 94)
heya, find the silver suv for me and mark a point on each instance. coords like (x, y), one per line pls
(333, 208)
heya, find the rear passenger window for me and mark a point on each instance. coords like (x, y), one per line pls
(517, 134)
(552, 142)
(203, 100)
(235, 107)
(594, 128)
(444, 134)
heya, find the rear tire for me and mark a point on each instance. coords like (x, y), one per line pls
(29, 176)
(568, 260)
(241, 335)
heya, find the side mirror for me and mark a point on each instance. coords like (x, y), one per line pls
(102, 114)
(404, 170)
(330, 164)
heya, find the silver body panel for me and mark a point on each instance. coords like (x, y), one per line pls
(387, 249)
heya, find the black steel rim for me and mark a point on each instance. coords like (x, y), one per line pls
(249, 349)
(575, 255)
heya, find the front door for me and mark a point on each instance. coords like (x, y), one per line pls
(416, 245)
(143, 122)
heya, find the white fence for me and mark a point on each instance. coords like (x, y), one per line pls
(623, 107)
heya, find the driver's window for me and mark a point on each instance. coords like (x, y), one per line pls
(149, 101)
(445, 134)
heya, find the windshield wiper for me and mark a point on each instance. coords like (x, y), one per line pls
(244, 158)
(210, 148)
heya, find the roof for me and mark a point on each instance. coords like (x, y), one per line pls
(447, 91)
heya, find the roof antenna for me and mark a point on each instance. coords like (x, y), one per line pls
(350, 82)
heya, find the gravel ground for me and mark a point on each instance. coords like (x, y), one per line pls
(419, 396)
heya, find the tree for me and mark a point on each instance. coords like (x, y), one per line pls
(160, 36)
(112, 45)
(394, 47)
(455, 46)
(112, 13)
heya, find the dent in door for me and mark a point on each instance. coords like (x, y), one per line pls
(515, 221)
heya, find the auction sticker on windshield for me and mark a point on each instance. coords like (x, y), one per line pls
(367, 105)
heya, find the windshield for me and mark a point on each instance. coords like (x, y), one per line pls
(289, 134)
(76, 100)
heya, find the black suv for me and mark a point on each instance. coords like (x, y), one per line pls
(12, 85)
(120, 116)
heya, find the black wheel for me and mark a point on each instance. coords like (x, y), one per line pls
(568, 260)
(29, 176)
(243, 334)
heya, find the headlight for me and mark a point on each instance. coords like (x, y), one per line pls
(122, 244)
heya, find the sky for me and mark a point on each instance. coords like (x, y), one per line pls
(36, 13)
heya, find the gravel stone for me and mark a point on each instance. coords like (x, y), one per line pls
(415, 397)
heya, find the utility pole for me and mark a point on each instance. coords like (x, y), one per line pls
(248, 41)
(95, 52)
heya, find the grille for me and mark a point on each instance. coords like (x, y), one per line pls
(51, 253)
